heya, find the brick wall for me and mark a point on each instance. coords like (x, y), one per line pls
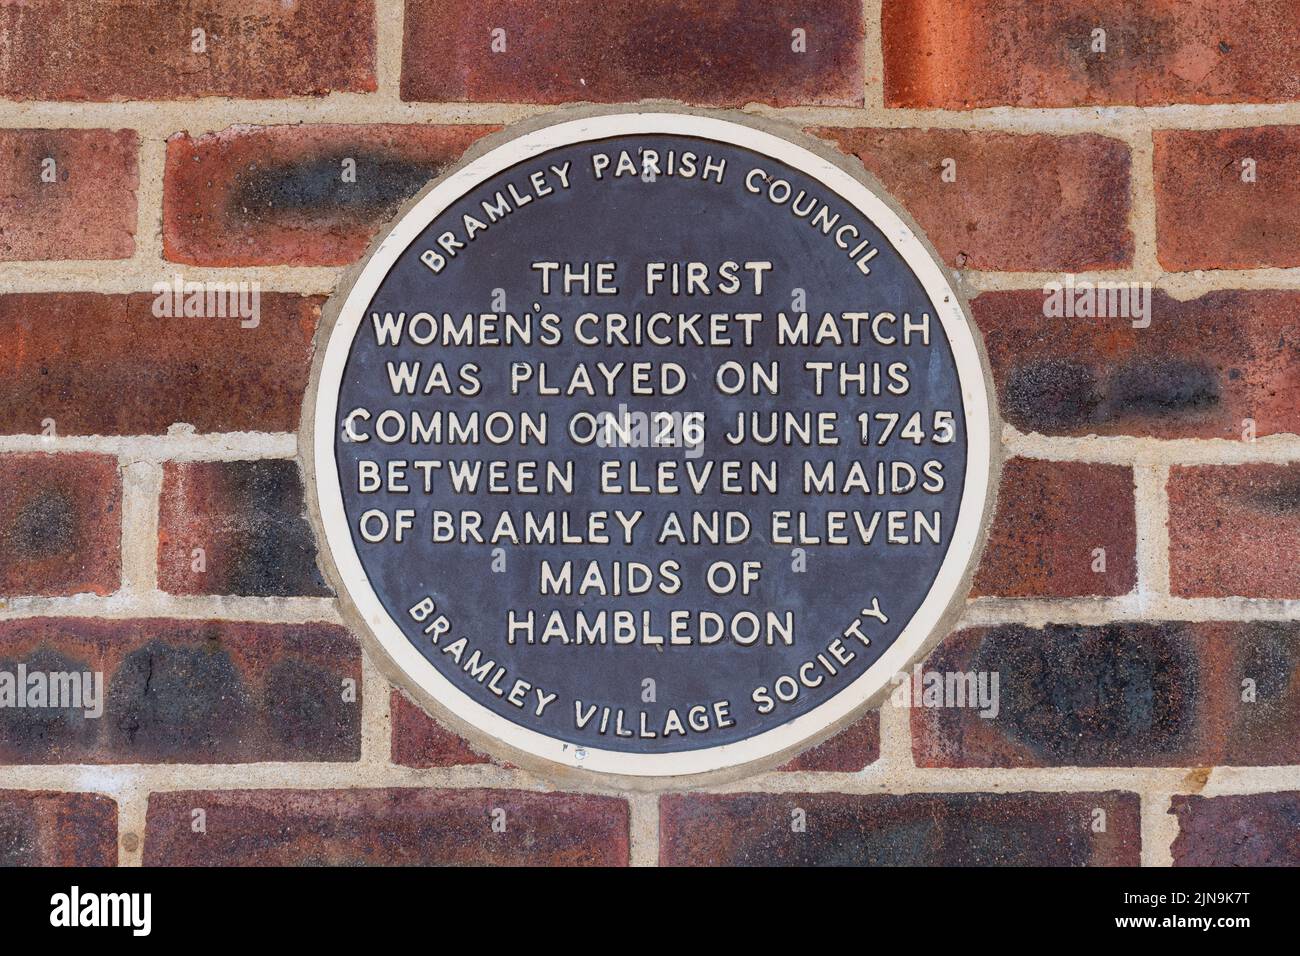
(151, 519)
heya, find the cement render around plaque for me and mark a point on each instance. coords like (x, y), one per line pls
(572, 753)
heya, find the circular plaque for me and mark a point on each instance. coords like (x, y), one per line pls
(650, 443)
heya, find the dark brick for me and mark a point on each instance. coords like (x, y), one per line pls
(250, 520)
(1257, 829)
(386, 828)
(420, 741)
(1119, 695)
(253, 195)
(1199, 370)
(952, 829)
(60, 524)
(105, 365)
(1020, 202)
(850, 750)
(557, 51)
(1264, 664)
(1051, 515)
(45, 828)
(186, 692)
(143, 49)
(87, 212)
(1039, 52)
(1234, 530)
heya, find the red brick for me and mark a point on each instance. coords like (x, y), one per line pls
(44, 828)
(420, 741)
(269, 195)
(250, 521)
(1019, 202)
(386, 827)
(849, 751)
(60, 525)
(143, 49)
(1198, 182)
(1257, 829)
(950, 829)
(1119, 695)
(1039, 52)
(186, 692)
(724, 54)
(1200, 369)
(105, 365)
(1051, 515)
(87, 212)
(1234, 530)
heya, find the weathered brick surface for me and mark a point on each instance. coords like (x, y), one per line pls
(556, 51)
(285, 194)
(1051, 517)
(60, 524)
(249, 520)
(1234, 530)
(386, 827)
(1039, 191)
(954, 829)
(1142, 694)
(1020, 202)
(849, 751)
(1258, 829)
(146, 49)
(106, 365)
(86, 211)
(43, 828)
(1199, 181)
(420, 741)
(1200, 369)
(186, 692)
(1040, 52)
